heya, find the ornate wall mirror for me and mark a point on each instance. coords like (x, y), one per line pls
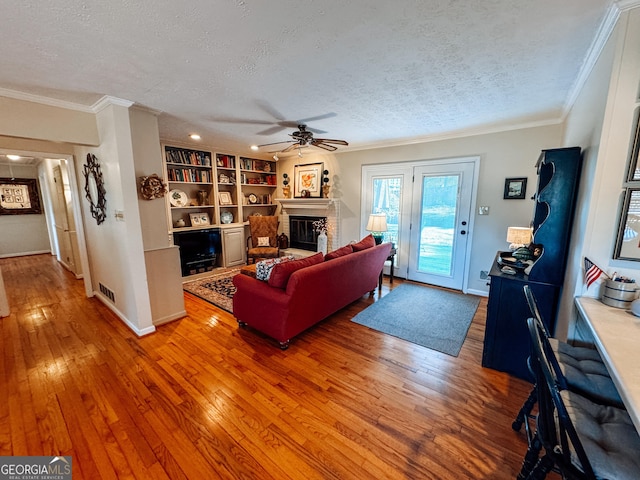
(94, 188)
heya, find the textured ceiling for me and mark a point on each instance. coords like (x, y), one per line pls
(378, 71)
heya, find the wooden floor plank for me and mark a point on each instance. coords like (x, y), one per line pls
(201, 398)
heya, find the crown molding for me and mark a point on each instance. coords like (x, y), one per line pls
(467, 132)
(625, 5)
(52, 102)
(602, 35)
(107, 101)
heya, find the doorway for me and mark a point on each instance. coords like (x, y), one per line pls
(72, 210)
(428, 205)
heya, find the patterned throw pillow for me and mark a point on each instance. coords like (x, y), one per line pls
(264, 267)
(263, 241)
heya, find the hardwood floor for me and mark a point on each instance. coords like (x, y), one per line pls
(203, 399)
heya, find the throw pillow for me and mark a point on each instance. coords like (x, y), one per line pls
(263, 241)
(340, 252)
(366, 242)
(281, 272)
(265, 267)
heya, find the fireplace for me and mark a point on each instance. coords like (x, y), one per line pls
(313, 209)
(301, 232)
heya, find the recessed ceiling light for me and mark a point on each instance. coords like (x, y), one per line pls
(13, 157)
(254, 147)
(195, 136)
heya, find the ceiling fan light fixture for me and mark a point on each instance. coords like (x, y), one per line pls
(299, 152)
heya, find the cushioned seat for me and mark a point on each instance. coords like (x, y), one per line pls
(581, 438)
(608, 436)
(582, 368)
(585, 373)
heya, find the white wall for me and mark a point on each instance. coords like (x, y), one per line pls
(23, 234)
(115, 248)
(505, 154)
(602, 118)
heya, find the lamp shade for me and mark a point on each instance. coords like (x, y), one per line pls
(377, 222)
(519, 235)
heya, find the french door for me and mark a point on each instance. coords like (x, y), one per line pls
(428, 207)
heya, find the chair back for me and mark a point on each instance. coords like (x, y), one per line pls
(264, 226)
(555, 427)
(533, 307)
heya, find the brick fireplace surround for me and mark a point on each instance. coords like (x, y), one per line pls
(313, 207)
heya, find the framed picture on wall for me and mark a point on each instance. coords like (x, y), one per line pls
(307, 180)
(19, 196)
(515, 188)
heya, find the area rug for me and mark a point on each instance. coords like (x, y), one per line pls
(434, 318)
(216, 288)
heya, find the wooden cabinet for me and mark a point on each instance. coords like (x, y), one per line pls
(506, 337)
(213, 189)
(233, 246)
(506, 342)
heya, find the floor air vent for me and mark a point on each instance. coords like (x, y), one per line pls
(107, 293)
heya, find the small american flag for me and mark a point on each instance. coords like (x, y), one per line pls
(591, 272)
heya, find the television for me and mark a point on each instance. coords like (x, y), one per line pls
(199, 249)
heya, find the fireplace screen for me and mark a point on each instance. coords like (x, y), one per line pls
(301, 232)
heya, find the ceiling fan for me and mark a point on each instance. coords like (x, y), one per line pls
(303, 137)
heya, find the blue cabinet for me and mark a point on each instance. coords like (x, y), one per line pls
(506, 341)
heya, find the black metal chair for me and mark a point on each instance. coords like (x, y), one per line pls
(582, 367)
(581, 439)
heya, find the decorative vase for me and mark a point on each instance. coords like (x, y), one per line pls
(203, 197)
(322, 242)
(286, 191)
(325, 191)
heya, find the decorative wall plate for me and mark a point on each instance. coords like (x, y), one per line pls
(178, 198)
(226, 217)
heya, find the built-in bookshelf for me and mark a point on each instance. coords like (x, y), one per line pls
(216, 188)
(211, 196)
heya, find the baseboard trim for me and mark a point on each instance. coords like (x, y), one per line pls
(119, 314)
(24, 254)
(170, 318)
(480, 293)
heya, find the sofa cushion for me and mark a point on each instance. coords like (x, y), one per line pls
(281, 272)
(366, 242)
(340, 252)
(265, 267)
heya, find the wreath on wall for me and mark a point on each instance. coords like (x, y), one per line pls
(152, 187)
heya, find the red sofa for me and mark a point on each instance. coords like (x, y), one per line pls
(310, 295)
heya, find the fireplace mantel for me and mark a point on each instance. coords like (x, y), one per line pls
(306, 203)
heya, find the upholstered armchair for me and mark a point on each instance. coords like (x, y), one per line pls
(263, 241)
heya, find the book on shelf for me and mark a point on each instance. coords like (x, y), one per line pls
(190, 157)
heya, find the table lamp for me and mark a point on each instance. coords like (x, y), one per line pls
(377, 225)
(518, 237)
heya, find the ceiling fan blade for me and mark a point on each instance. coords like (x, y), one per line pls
(329, 140)
(271, 130)
(324, 146)
(317, 117)
(274, 143)
(315, 130)
(241, 121)
(291, 147)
